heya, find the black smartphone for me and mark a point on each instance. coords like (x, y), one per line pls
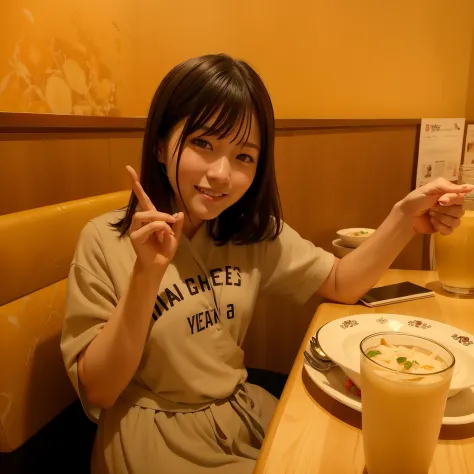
(396, 293)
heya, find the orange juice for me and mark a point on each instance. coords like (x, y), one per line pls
(455, 257)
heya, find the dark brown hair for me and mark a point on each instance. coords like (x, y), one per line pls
(197, 90)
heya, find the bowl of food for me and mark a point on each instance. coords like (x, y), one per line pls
(339, 249)
(354, 236)
(340, 341)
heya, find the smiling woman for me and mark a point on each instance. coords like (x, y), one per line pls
(212, 119)
(161, 294)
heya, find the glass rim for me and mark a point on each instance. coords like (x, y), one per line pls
(450, 366)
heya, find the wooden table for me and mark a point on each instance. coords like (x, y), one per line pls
(311, 433)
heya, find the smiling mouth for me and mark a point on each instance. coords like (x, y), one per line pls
(210, 193)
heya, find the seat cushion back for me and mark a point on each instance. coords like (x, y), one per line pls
(36, 250)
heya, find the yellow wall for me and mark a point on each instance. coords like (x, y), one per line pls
(470, 91)
(351, 59)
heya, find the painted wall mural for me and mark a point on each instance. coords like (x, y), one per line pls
(53, 74)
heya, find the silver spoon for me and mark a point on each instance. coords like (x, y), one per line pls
(317, 364)
(317, 351)
(314, 343)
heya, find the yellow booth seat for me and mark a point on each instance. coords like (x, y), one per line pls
(36, 248)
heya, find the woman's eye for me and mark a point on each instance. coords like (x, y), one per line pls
(245, 158)
(201, 143)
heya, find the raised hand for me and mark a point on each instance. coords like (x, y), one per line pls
(154, 235)
(436, 206)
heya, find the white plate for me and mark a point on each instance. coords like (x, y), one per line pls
(459, 409)
(340, 339)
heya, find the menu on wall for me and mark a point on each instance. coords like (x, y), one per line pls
(440, 149)
(469, 150)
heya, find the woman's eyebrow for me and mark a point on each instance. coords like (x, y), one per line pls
(250, 145)
(205, 129)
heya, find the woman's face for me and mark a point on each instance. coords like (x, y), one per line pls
(213, 173)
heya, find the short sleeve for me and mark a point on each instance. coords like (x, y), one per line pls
(91, 299)
(294, 267)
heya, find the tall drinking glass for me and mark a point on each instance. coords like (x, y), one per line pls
(402, 412)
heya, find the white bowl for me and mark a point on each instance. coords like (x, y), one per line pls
(354, 236)
(339, 249)
(340, 340)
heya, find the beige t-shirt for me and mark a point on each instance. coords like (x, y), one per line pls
(193, 352)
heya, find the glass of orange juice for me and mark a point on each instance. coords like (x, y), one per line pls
(405, 381)
(455, 253)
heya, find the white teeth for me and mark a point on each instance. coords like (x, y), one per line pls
(210, 193)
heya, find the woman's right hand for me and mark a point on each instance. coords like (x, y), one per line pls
(152, 237)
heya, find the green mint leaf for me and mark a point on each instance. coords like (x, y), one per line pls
(401, 360)
(373, 353)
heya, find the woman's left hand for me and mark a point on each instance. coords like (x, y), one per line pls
(436, 206)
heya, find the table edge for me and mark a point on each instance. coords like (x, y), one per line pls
(295, 372)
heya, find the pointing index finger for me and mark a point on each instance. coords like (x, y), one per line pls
(143, 199)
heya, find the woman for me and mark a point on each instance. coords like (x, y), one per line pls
(161, 295)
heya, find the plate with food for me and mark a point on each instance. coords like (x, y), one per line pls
(459, 408)
(340, 340)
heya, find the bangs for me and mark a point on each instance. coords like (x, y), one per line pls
(223, 108)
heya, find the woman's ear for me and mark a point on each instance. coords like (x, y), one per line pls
(160, 154)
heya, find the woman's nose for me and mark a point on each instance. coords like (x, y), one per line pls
(220, 170)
